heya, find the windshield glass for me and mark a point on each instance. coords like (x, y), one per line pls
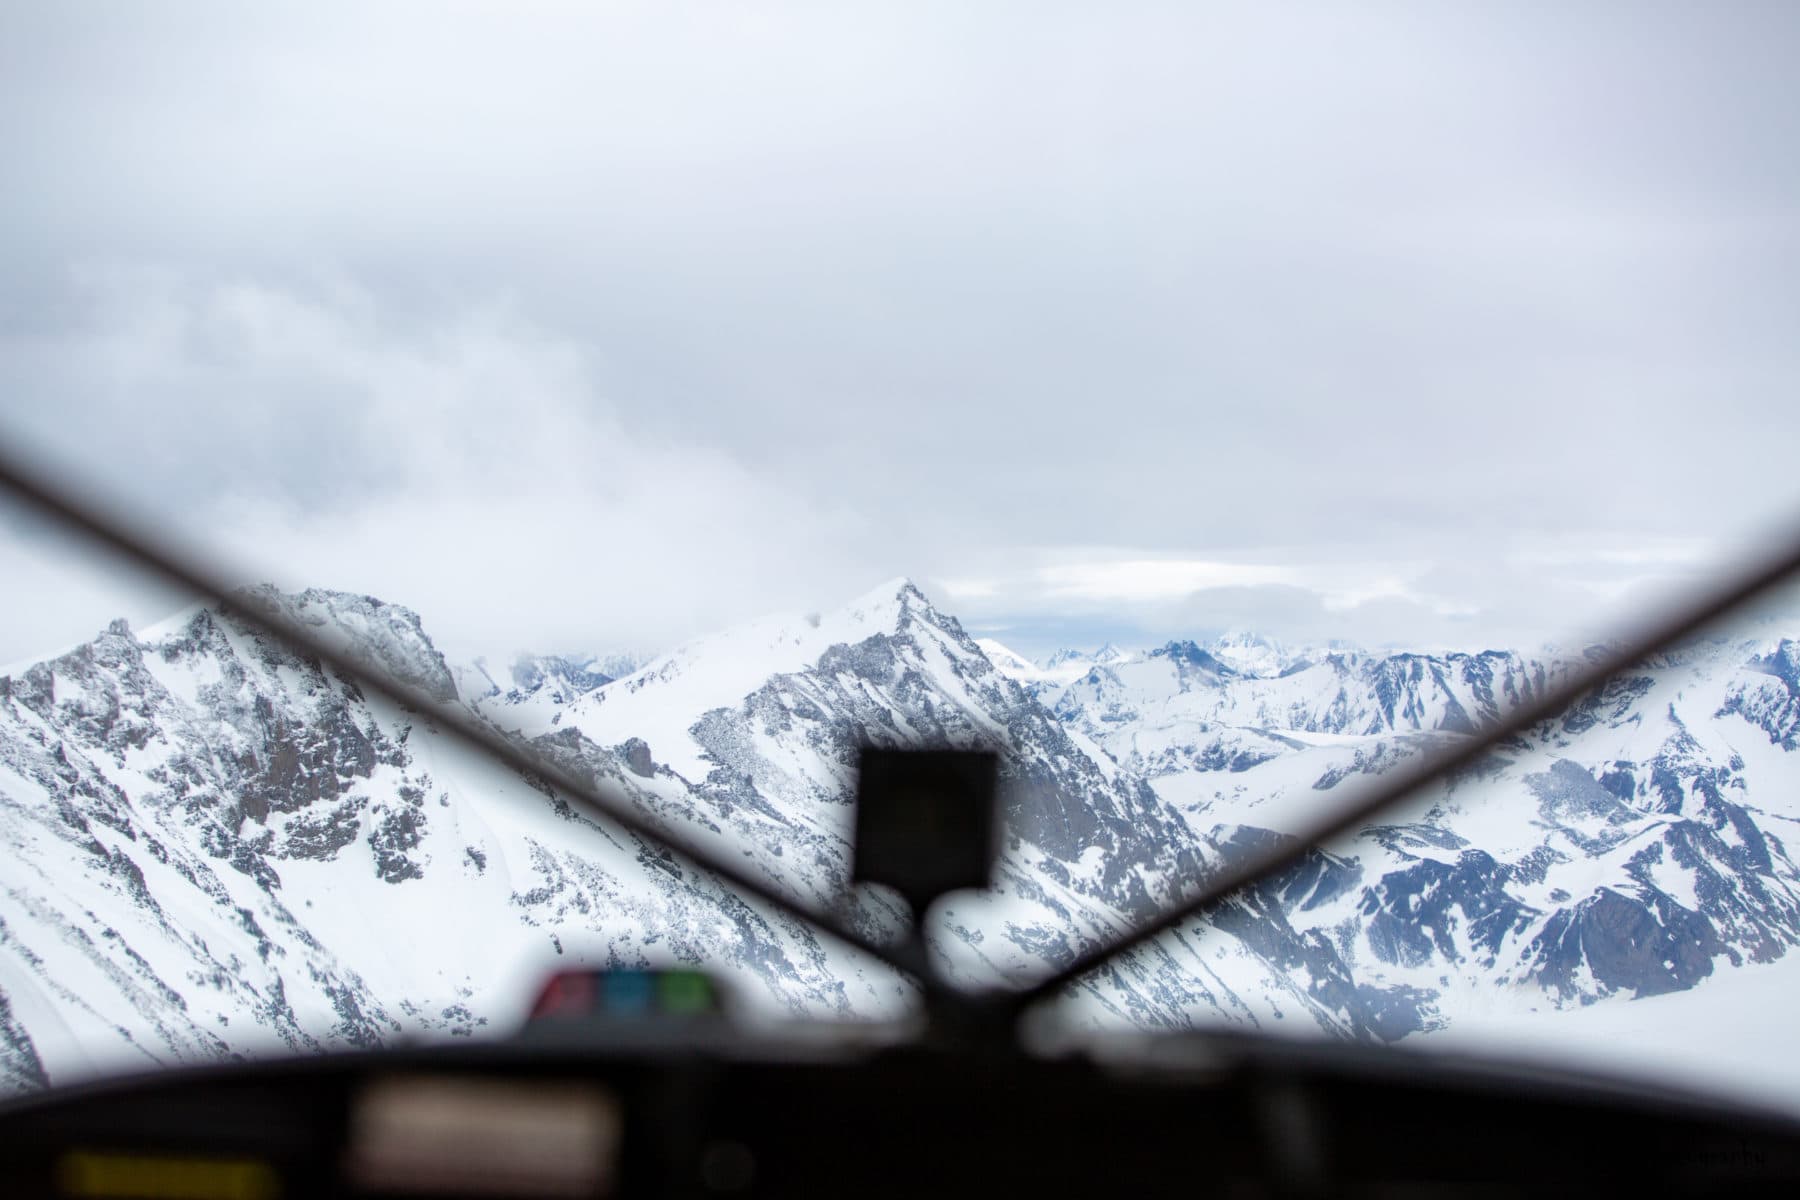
(1214, 411)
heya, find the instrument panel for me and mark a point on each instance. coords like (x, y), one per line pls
(623, 1115)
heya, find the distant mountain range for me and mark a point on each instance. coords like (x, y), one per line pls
(1059, 669)
(217, 848)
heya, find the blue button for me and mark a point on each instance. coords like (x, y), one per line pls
(629, 993)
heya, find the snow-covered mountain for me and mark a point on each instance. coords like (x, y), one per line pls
(1253, 654)
(1047, 674)
(1632, 847)
(218, 848)
(1242, 652)
(539, 683)
(756, 730)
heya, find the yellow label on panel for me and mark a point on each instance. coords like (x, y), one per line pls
(156, 1177)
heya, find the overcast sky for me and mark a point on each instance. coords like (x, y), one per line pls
(602, 325)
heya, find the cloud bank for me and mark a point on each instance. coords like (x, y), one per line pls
(605, 326)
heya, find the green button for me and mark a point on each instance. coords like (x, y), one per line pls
(685, 993)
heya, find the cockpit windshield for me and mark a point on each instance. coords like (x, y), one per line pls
(592, 430)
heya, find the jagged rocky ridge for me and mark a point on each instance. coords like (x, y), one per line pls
(1631, 847)
(218, 848)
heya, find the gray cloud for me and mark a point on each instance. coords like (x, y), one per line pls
(805, 297)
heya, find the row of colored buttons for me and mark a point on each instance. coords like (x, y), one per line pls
(627, 993)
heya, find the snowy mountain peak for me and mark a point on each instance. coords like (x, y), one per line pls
(1038, 678)
(1110, 654)
(573, 675)
(1189, 654)
(1009, 662)
(721, 669)
(1251, 653)
(1066, 666)
(387, 635)
(889, 603)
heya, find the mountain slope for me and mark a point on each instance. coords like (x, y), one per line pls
(1090, 849)
(1631, 847)
(216, 848)
(220, 848)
